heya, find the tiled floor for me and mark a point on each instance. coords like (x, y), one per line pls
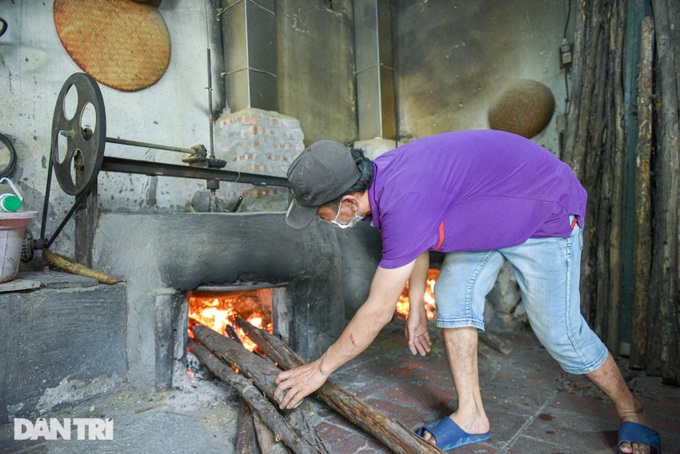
(534, 406)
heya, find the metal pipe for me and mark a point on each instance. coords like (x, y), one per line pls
(135, 143)
(210, 108)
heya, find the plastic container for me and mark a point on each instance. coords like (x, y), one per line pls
(10, 198)
(12, 229)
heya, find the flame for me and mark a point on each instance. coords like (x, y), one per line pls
(403, 303)
(220, 312)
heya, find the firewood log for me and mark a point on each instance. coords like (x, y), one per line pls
(266, 438)
(66, 264)
(246, 438)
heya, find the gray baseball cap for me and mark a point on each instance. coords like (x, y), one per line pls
(322, 173)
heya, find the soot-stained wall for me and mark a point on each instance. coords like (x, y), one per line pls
(455, 56)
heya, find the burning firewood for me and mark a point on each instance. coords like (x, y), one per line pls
(389, 431)
(262, 374)
(233, 334)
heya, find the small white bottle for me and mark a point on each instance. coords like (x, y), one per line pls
(10, 198)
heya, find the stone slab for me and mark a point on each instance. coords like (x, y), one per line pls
(61, 343)
(18, 285)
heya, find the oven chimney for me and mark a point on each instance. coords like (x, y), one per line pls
(250, 63)
(375, 79)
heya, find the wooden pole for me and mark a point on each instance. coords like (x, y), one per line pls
(643, 211)
(587, 166)
(583, 80)
(595, 181)
(593, 64)
(618, 16)
(390, 432)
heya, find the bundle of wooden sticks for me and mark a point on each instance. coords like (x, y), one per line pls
(262, 427)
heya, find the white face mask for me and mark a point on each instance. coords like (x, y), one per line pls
(354, 221)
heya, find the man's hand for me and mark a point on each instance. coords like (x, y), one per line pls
(295, 384)
(416, 330)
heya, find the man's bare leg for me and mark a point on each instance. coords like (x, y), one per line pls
(461, 352)
(609, 379)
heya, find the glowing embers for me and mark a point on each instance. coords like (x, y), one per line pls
(219, 310)
(403, 304)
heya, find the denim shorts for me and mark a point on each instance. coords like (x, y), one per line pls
(547, 270)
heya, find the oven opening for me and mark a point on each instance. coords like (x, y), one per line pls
(219, 310)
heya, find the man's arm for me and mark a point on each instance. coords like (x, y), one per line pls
(371, 317)
(416, 325)
(418, 280)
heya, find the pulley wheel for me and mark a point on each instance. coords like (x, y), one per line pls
(78, 133)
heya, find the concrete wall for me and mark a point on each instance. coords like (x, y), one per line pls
(316, 86)
(452, 58)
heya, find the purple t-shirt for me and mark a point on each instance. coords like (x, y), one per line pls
(470, 191)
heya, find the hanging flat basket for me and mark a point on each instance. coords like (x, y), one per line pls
(121, 43)
(524, 108)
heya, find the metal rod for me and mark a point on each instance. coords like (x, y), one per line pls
(135, 143)
(43, 221)
(210, 108)
(111, 164)
(250, 285)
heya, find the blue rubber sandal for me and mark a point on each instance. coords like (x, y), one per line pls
(637, 433)
(449, 435)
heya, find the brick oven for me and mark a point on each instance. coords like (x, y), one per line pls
(164, 256)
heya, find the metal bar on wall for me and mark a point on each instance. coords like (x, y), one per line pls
(111, 164)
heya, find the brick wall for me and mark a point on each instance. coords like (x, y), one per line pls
(261, 142)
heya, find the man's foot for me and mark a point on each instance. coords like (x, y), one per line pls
(446, 435)
(636, 437)
(454, 431)
(609, 379)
